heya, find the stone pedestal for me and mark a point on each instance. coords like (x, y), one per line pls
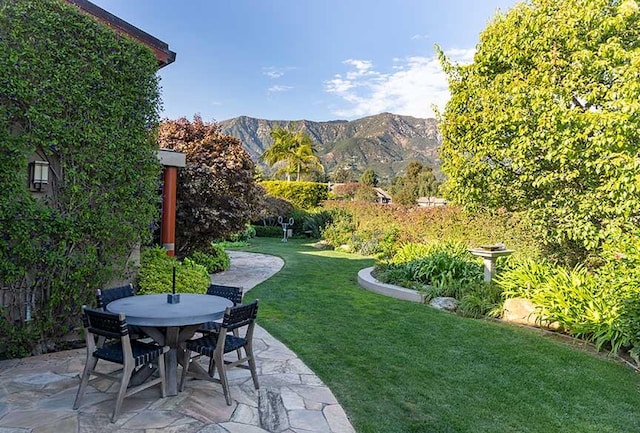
(489, 259)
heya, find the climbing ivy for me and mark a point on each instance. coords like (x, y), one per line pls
(87, 98)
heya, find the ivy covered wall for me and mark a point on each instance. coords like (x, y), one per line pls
(87, 99)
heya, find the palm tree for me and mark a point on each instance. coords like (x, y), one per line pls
(293, 151)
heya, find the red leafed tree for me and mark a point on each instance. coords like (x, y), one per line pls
(216, 193)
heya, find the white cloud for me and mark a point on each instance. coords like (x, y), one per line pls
(419, 37)
(276, 72)
(413, 87)
(279, 88)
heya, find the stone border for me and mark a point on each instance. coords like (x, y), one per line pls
(367, 281)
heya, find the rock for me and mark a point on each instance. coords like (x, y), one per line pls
(322, 245)
(444, 303)
(273, 416)
(523, 311)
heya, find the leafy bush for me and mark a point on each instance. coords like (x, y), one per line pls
(395, 226)
(268, 231)
(216, 190)
(409, 252)
(16, 341)
(480, 300)
(305, 195)
(442, 269)
(156, 273)
(582, 303)
(341, 229)
(243, 235)
(316, 222)
(215, 260)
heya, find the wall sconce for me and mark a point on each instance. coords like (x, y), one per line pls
(38, 175)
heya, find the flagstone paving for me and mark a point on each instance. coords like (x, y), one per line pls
(37, 393)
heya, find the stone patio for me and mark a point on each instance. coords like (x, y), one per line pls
(37, 393)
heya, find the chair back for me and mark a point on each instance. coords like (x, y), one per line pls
(105, 324)
(103, 297)
(234, 294)
(240, 315)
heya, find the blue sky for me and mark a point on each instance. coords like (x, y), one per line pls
(307, 59)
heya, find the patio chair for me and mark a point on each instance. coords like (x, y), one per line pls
(234, 294)
(216, 345)
(114, 345)
(104, 296)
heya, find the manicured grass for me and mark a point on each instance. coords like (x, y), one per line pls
(397, 366)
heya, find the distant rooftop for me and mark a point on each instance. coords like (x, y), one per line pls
(161, 49)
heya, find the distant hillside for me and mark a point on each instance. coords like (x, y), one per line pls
(385, 142)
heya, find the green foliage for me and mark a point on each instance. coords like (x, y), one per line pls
(545, 120)
(214, 260)
(409, 252)
(243, 235)
(480, 300)
(16, 341)
(442, 269)
(418, 181)
(73, 90)
(316, 222)
(217, 193)
(395, 226)
(293, 152)
(156, 273)
(369, 177)
(583, 304)
(268, 231)
(305, 195)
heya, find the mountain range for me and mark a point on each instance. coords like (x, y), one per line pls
(384, 142)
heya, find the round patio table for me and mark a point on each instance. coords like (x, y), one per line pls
(170, 324)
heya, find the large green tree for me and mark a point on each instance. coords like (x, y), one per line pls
(293, 152)
(418, 181)
(547, 119)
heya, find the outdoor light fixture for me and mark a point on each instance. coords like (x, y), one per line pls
(38, 174)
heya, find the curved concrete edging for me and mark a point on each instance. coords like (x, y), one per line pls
(367, 281)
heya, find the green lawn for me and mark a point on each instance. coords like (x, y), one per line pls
(397, 366)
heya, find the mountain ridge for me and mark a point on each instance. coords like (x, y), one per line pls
(385, 142)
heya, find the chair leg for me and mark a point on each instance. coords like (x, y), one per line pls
(162, 372)
(222, 372)
(185, 368)
(252, 364)
(89, 366)
(126, 376)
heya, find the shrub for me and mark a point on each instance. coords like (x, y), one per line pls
(156, 273)
(215, 260)
(584, 304)
(243, 235)
(16, 341)
(217, 193)
(428, 225)
(409, 252)
(268, 231)
(305, 195)
(316, 222)
(479, 300)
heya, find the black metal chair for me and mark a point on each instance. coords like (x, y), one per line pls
(114, 345)
(216, 345)
(104, 296)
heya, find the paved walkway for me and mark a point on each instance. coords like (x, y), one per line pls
(36, 393)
